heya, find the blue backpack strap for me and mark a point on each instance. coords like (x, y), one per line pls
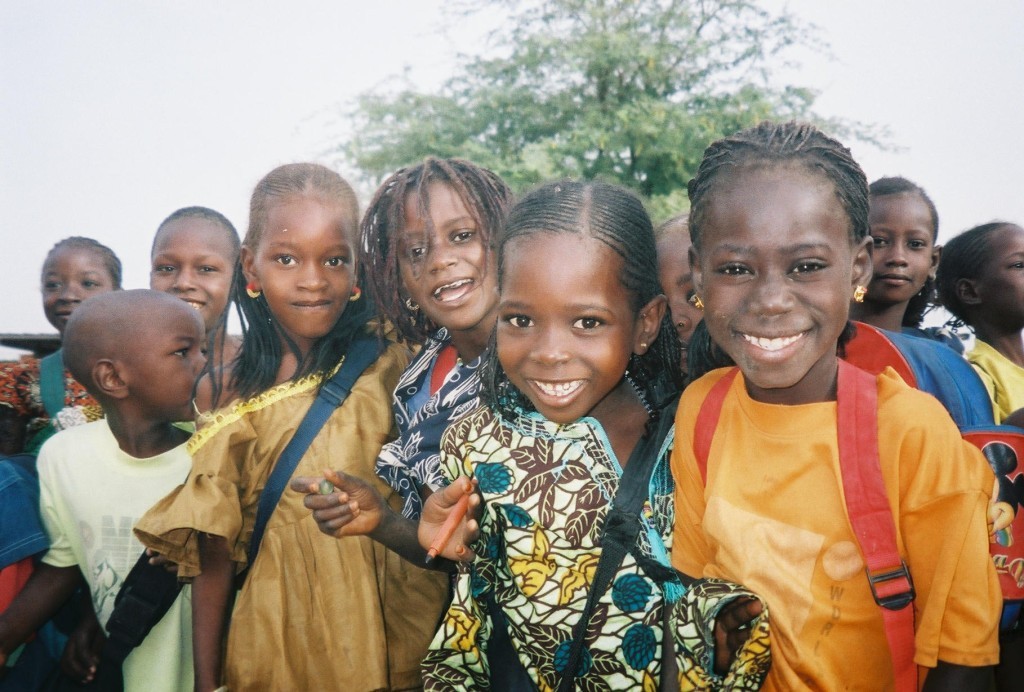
(363, 352)
(51, 383)
(944, 374)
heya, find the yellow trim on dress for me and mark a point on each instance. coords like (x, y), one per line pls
(210, 423)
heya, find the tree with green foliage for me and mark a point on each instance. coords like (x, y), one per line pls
(630, 91)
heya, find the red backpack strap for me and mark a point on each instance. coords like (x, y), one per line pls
(707, 421)
(867, 506)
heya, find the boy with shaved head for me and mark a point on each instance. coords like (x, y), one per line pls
(139, 354)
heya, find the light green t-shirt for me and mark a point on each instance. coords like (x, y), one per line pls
(91, 495)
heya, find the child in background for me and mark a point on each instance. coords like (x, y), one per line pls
(313, 612)
(779, 222)
(427, 256)
(43, 393)
(982, 283)
(676, 279)
(194, 254)
(138, 353)
(580, 303)
(904, 229)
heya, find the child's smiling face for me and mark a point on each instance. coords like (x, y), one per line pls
(304, 264)
(446, 269)
(70, 275)
(193, 259)
(567, 326)
(776, 271)
(904, 251)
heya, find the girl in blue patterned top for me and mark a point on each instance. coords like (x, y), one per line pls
(585, 353)
(426, 252)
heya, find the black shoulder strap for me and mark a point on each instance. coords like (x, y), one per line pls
(363, 352)
(621, 528)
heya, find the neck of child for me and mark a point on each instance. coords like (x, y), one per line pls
(1009, 344)
(624, 418)
(470, 346)
(142, 438)
(884, 316)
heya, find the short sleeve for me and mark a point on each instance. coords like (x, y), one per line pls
(54, 513)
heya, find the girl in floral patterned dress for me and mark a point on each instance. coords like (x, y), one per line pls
(74, 269)
(585, 355)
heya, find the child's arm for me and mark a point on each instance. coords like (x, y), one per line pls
(82, 652)
(44, 593)
(732, 630)
(355, 508)
(954, 678)
(211, 593)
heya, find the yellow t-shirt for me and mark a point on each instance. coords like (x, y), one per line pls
(1003, 379)
(772, 517)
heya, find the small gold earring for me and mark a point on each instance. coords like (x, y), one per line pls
(643, 346)
(251, 291)
(356, 292)
(859, 293)
(411, 305)
(696, 302)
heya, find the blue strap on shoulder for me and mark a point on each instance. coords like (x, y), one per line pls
(363, 352)
(51, 383)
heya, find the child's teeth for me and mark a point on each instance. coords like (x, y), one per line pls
(771, 344)
(559, 388)
(448, 287)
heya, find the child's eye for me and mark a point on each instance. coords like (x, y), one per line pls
(733, 270)
(207, 269)
(917, 244)
(463, 235)
(587, 323)
(89, 283)
(163, 269)
(416, 252)
(808, 266)
(878, 242)
(51, 285)
(336, 261)
(286, 260)
(519, 321)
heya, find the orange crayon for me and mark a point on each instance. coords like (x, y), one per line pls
(447, 529)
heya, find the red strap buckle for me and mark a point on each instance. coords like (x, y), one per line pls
(887, 589)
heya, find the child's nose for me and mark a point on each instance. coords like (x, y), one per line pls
(550, 348)
(772, 294)
(184, 280)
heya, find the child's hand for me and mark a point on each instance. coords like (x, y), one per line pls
(436, 511)
(159, 560)
(352, 508)
(732, 629)
(82, 652)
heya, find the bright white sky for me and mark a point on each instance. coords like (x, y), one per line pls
(113, 113)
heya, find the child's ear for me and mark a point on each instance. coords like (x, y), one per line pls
(863, 267)
(649, 323)
(248, 259)
(967, 291)
(936, 256)
(108, 376)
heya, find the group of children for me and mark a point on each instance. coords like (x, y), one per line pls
(527, 437)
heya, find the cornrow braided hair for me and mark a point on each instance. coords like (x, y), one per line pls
(207, 214)
(772, 144)
(780, 144)
(262, 349)
(925, 299)
(106, 255)
(964, 257)
(617, 218)
(485, 196)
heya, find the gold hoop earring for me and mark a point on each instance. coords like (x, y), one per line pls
(859, 293)
(411, 305)
(696, 302)
(356, 292)
(252, 291)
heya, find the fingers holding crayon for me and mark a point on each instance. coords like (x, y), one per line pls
(349, 507)
(449, 522)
